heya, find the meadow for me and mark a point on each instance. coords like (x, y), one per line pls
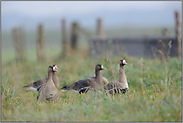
(155, 90)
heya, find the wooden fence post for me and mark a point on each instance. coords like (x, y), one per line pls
(18, 43)
(162, 51)
(65, 45)
(100, 32)
(178, 35)
(40, 44)
(164, 32)
(74, 36)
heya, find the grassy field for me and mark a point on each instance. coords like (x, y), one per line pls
(155, 91)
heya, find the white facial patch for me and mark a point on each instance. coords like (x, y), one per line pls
(124, 61)
(53, 68)
(102, 66)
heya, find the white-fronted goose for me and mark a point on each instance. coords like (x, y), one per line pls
(120, 85)
(37, 84)
(48, 92)
(82, 86)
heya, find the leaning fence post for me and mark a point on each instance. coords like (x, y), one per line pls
(65, 46)
(74, 36)
(178, 34)
(100, 32)
(40, 44)
(18, 43)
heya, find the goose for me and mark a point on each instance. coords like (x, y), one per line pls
(120, 85)
(82, 86)
(34, 86)
(48, 92)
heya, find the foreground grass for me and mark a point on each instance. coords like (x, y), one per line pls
(154, 91)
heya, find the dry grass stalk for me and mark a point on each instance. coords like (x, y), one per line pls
(166, 76)
(162, 51)
(169, 45)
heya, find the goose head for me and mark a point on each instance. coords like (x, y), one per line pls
(52, 68)
(122, 62)
(55, 68)
(99, 67)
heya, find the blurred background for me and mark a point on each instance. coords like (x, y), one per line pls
(39, 30)
(77, 35)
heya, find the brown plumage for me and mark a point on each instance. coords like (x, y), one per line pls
(48, 92)
(37, 84)
(82, 86)
(120, 85)
(104, 80)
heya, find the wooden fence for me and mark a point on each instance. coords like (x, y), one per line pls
(144, 47)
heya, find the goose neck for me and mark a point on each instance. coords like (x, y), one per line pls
(50, 75)
(98, 76)
(122, 75)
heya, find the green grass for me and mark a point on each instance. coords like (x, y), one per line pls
(154, 94)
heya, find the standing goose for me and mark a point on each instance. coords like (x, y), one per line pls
(48, 92)
(82, 86)
(119, 85)
(37, 84)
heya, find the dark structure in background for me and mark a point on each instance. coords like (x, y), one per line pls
(149, 47)
(142, 47)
